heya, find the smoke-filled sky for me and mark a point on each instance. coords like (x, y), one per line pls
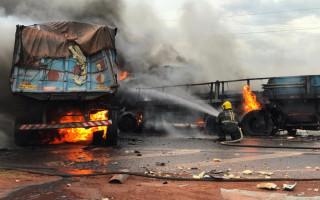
(268, 37)
(210, 39)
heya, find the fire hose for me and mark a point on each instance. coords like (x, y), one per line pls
(31, 170)
(265, 146)
(233, 141)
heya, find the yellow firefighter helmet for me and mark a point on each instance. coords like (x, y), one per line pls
(226, 105)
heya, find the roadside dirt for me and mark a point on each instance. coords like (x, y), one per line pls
(98, 187)
(12, 180)
(146, 188)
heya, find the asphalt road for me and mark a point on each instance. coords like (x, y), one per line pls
(188, 154)
(175, 154)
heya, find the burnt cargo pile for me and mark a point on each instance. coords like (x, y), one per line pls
(62, 68)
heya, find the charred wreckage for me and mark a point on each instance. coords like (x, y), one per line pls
(65, 74)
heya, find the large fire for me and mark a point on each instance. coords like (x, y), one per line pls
(250, 101)
(80, 134)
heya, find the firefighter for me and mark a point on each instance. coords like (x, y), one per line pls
(227, 122)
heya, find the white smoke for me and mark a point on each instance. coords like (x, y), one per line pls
(196, 43)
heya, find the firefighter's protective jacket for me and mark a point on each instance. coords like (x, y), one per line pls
(228, 121)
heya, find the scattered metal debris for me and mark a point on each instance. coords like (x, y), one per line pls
(119, 178)
(216, 160)
(108, 198)
(286, 176)
(229, 175)
(289, 187)
(200, 175)
(149, 172)
(265, 173)
(247, 171)
(160, 164)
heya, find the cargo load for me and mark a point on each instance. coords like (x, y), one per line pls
(64, 60)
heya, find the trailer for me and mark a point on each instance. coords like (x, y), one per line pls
(291, 103)
(287, 103)
(64, 70)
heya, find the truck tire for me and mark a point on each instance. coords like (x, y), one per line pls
(258, 123)
(127, 123)
(112, 131)
(19, 138)
(211, 126)
(26, 138)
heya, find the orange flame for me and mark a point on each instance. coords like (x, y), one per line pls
(250, 100)
(123, 75)
(80, 134)
(140, 119)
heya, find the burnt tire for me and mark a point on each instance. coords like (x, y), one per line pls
(19, 138)
(211, 126)
(127, 123)
(257, 123)
(112, 131)
(26, 138)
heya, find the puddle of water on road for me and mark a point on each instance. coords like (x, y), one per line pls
(78, 156)
(98, 156)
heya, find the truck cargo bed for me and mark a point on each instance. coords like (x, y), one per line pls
(64, 61)
(56, 79)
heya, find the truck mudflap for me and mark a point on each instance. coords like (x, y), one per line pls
(64, 125)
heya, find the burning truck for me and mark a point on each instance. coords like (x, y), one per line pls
(288, 103)
(279, 103)
(65, 75)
